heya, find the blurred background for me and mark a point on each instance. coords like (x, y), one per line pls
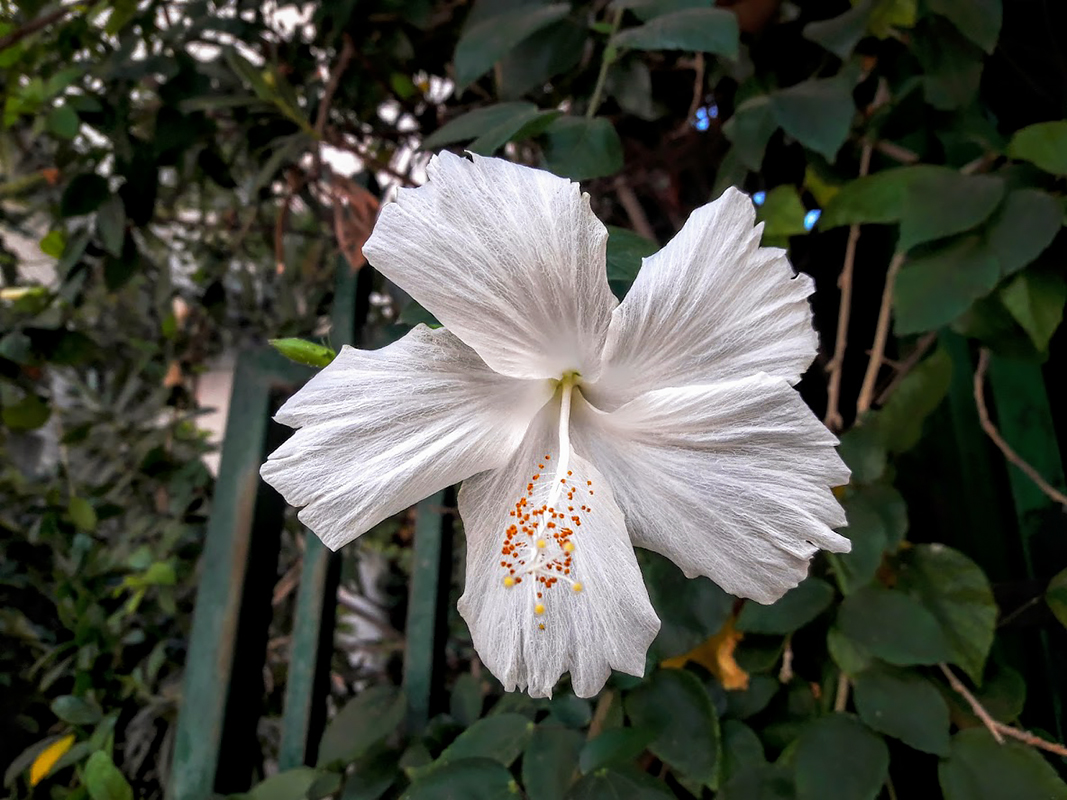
(182, 181)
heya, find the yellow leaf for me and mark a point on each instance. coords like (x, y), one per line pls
(48, 757)
(717, 656)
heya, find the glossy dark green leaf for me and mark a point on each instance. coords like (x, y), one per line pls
(690, 611)
(1002, 694)
(704, 30)
(877, 198)
(626, 249)
(83, 195)
(893, 627)
(938, 284)
(372, 776)
(614, 747)
(304, 352)
(1043, 144)
(501, 737)
(549, 762)
(364, 721)
(837, 758)
(111, 224)
(903, 705)
(741, 749)
(103, 780)
(817, 113)
(630, 83)
(899, 423)
(675, 706)
(850, 657)
(978, 20)
(745, 703)
(951, 63)
(750, 128)
(864, 452)
(943, 202)
(619, 783)
(866, 530)
(842, 33)
(466, 702)
(956, 591)
(490, 39)
(63, 121)
(469, 779)
(554, 50)
(1022, 228)
(580, 148)
(979, 768)
(1056, 596)
(760, 782)
(796, 608)
(572, 711)
(325, 785)
(1035, 299)
(477, 122)
(76, 710)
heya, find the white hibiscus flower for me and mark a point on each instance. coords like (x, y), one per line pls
(582, 426)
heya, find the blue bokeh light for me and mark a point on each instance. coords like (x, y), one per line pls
(811, 218)
(759, 198)
(704, 115)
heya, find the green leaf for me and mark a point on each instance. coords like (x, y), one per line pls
(618, 784)
(867, 531)
(847, 654)
(492, 38)
(956, 591)
(326, 784)
(1002, 694)
(1035, 299)
(760, 782)
(614, 747)
(937, 285)
(372, 776)
(501, 737)
(549, 762)
(952, 65)
(877, 198)
(364, 721)
(75, 710)
(1043, 144)
(749, 702)
(1056, 596)
(741, 749)
(817, 113)
(841, 34)
(466, 702)
(111, 224)
(580, 148)
(469, 779)
(63, 121)
(83, 195)
(782, 213)
(304, 352)
(690, 611)
(903, 705)
(501, 119)
(103, 780)
(979, 768)
(1022, 228)
(750, 128)
(553, 50)
(82, 514)
(899, 423)
(674, 704)
(26, 414)
(978, 20)
(572, 711)
(864, 452)
(292, 784)
(893, 627)
(888, 15)
(943, 202)
(626, 249)
(703, 30)
(795, 609)
(53, 243)
(837, 758)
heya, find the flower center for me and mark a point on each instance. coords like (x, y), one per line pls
(540, 542)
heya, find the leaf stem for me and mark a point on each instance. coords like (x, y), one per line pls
(607, 60)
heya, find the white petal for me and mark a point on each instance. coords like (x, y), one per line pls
(710, 306)
(511, 260)
(730, 480)
(382, 429)
(607, 625)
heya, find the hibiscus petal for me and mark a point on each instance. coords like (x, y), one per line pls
(510, 259)
(710, 306)
(595, 616)
(382, 429)
(730, 480)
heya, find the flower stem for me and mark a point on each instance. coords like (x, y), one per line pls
(606, 61)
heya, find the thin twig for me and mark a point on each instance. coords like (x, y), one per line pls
(972, 701)
(896, 152)
(698, 88)
(992, 432)
(1030, 739)
(632, 206)
(881, 334)
(841, 697)
(785, 674)
(833, 419)
(35, 25)
(605, 62)
(600, 714)
(907, 365)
